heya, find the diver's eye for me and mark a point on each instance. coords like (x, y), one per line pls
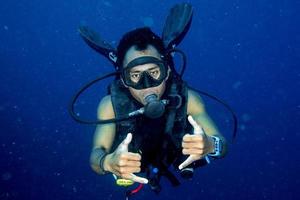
(155, 73)
(135, 77)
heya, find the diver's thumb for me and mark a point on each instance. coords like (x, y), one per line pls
(123, 147)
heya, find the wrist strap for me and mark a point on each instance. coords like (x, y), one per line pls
(101, 154)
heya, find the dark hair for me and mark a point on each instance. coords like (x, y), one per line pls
(140, 37)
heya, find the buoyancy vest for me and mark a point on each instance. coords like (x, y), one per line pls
(149, 138)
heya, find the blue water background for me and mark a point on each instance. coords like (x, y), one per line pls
(245, 52)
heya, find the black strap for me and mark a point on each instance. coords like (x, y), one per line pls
(168, 131)
(171, 177)
(172, 113)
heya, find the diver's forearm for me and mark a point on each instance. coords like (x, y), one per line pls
(97, 159)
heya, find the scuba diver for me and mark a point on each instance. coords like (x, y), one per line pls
(151, 119)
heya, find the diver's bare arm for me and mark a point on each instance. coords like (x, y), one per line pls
(104, 134)
(196, 108)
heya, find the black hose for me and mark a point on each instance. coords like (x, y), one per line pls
(234, 117)
(80, 91)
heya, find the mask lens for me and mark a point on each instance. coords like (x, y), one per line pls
(153, 72)
(135, 77)
(141, 79)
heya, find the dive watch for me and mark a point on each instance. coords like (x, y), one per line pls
(218, 147)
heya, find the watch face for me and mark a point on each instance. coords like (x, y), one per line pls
(218, 147)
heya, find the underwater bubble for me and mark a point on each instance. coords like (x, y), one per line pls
(242, 127)
(74, 189)
(6, 176)
(83, 23)
(107, 3)
(236, 85)
(148, 21)
(2, 108)
(246, 117)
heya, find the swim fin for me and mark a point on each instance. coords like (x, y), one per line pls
(177, 24)
(99, 45)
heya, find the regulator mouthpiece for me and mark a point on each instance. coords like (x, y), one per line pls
(154, 108)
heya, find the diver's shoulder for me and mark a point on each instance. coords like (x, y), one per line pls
(195, 104)
(105, 108)
(194, 96)
(106, 99)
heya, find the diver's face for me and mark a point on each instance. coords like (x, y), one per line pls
(151, 69)
(140, 94)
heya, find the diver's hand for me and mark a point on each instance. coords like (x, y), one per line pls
(123, 163)
(197, 145)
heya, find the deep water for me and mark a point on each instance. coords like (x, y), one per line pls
(244, 52)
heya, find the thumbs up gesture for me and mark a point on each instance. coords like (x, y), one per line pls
(197, 145)
(123, 163)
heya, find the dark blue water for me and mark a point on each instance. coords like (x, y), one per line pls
(245, 52)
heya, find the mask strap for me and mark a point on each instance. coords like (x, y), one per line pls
(143, 60)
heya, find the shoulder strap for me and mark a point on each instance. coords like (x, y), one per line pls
(177, 111)
(122, 105)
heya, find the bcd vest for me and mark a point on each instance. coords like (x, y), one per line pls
(149, 137)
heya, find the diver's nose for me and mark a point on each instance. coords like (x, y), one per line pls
(146, 80)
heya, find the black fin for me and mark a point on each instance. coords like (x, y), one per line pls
(177, 24)
(96, 43)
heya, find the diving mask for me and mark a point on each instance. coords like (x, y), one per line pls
(151, 77)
